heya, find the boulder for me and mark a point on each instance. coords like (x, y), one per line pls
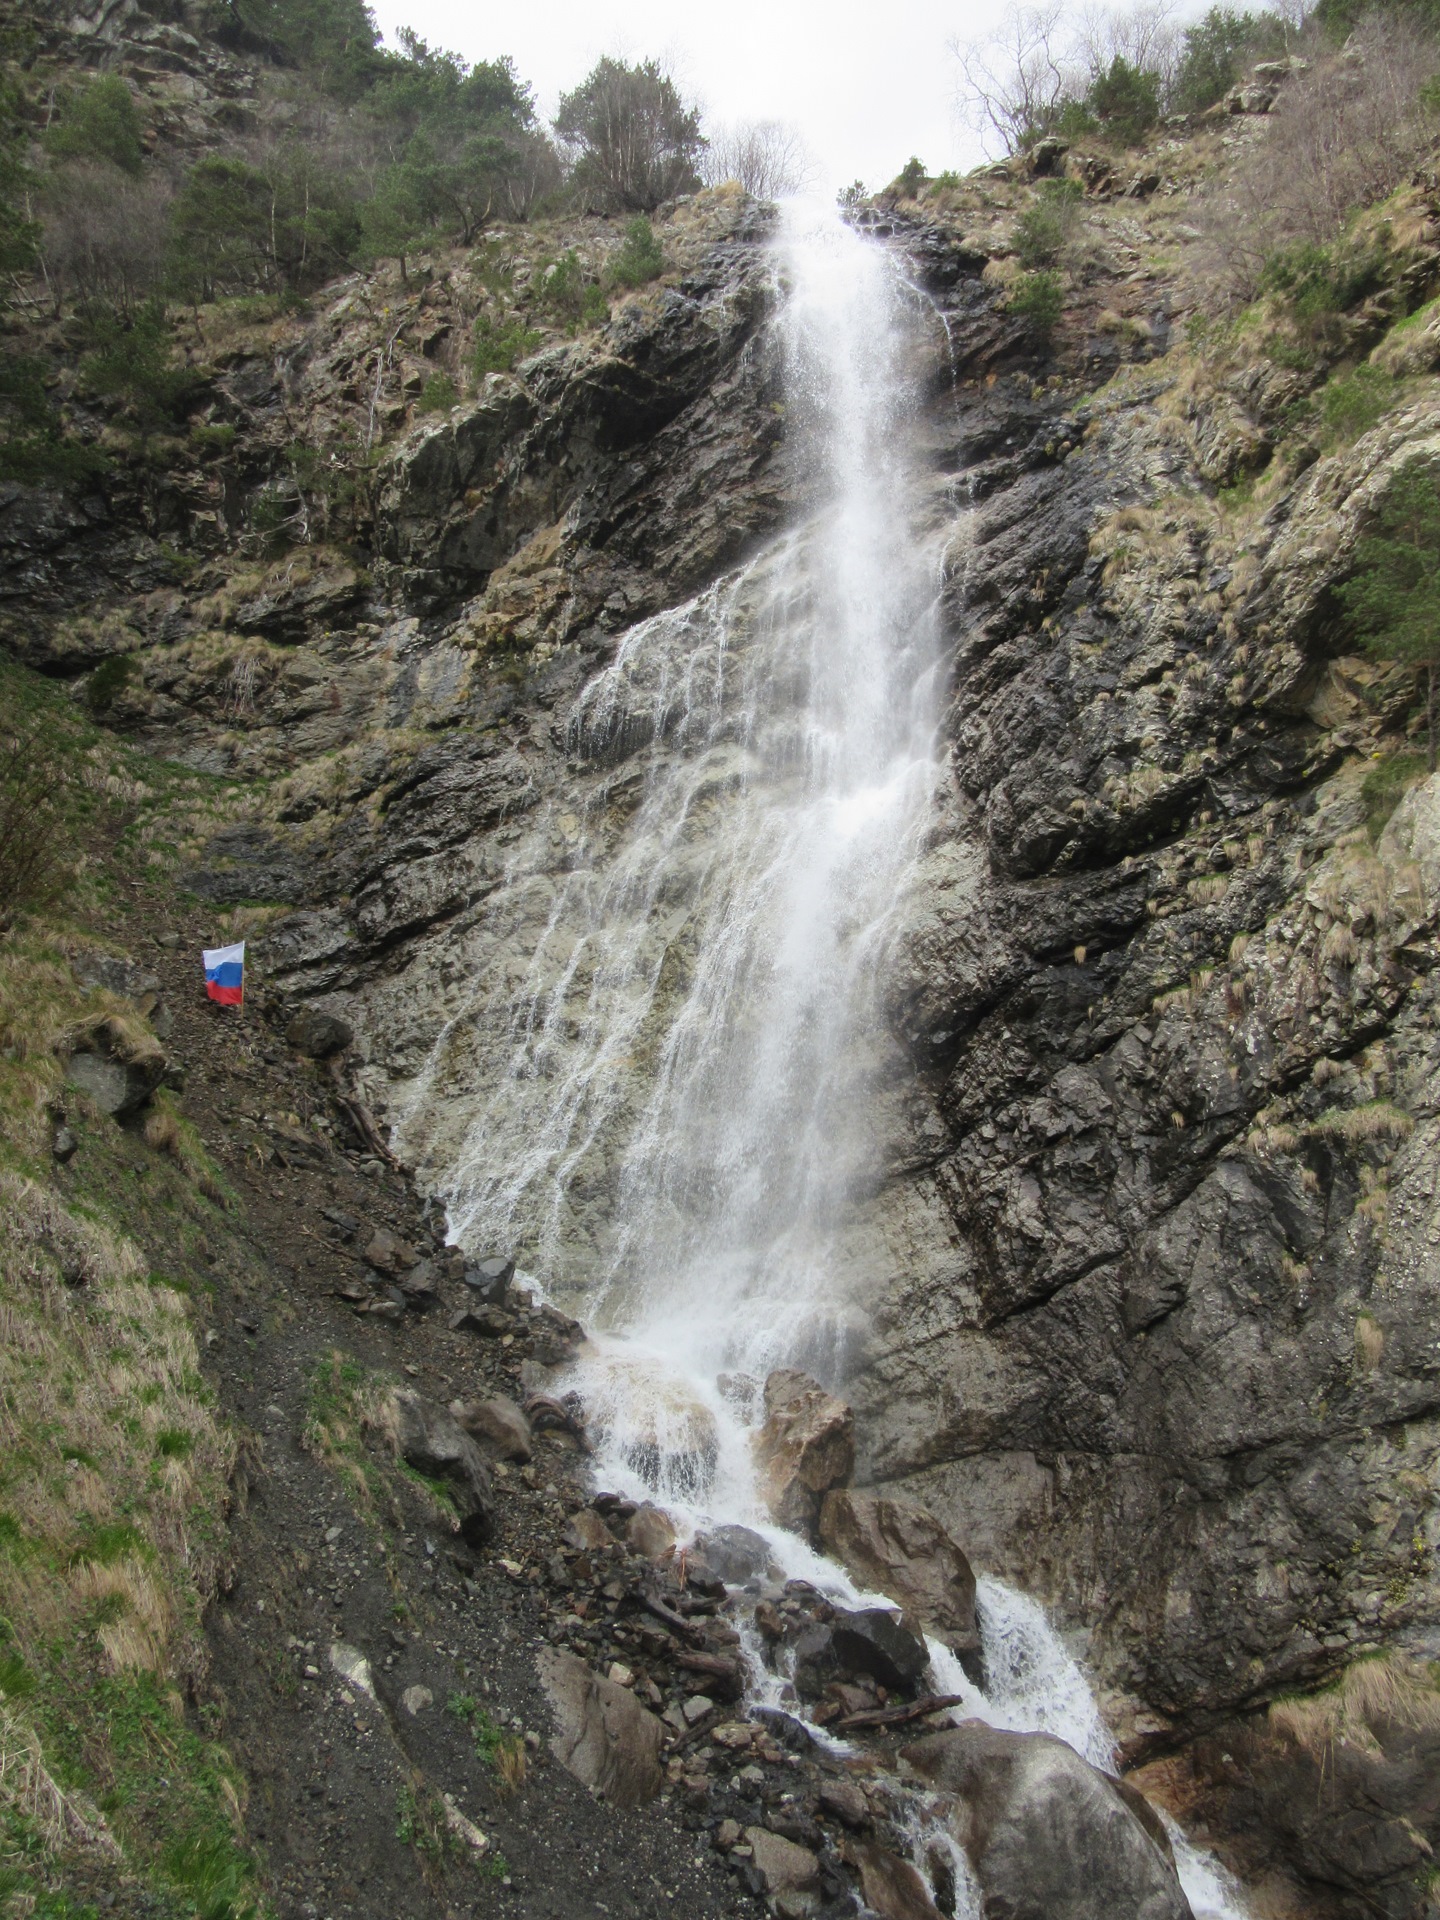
(651, 1532)
(781, 1864)
(318, 1034)
(903, 1552)
(844, 1800)
(116, 1065)
(498, 1423)
(489, 1279)
(431, 1441)
(389, 1254)
(806, 1447)
(893, 1889)
(1049, 1836)
(603, 1734)
(872, 1641)
(588, 1532)
(736, 1553)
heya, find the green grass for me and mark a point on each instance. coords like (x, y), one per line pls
(1385, 786)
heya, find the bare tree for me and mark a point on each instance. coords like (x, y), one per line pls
(1145, 35)
(1344, 135)
(1015, 81)
(105, 232)
(768, 157)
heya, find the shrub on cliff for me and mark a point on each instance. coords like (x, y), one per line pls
(641, 259)
(37, 853)
(99, 122)
(1043, 231)
(633, 139)
(1394, 595)
(1038, 299)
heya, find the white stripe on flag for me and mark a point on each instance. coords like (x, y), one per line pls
(214, 957)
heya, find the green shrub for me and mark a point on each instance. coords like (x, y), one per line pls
(498, 347)
(1316, 282)
(911, 177)
(1038, 299)
(563, 291)
(1125, 99)
(99, 123)
(1393, 598)
(34, 446)
(1042, 231)
(1352, 404)
(129, 361)
(1215, 49)
(438, 394)
(108, 682)
(37, 853)
(1386, 785)
(640, 259)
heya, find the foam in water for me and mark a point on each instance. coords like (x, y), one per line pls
(683, 1116)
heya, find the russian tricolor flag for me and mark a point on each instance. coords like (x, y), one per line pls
(225, 974)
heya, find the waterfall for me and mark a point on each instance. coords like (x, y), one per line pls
(679, 1105)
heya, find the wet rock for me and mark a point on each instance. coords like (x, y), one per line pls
(737, 1554)
(498, 1422)
(872, 1641)
(893, 1889)
(783, 1866)
(603, 1735)
(1049, 1836)
(650, 1532)
(806, 1447)
(318, 1035)
(901, 1550)
(489, 1279)
(431, 1441)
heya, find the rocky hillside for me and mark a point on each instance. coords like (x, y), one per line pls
(1150, 1275)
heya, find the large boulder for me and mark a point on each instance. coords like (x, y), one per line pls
(902, 1551)
(117, 1063)
(806, 1447)
(603, 1734)
(431, 1441)
(498, 1423)
(1049, 1836)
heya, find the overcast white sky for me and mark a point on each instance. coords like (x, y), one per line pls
(868, 85)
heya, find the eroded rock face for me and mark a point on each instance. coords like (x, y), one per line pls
(1049, 1837)
(603, 1734)
(806, 1446)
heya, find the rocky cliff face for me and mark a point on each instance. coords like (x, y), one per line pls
(1150, 1277)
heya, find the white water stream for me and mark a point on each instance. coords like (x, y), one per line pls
(684, 1127)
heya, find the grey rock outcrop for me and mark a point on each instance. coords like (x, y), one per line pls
(431, 1441)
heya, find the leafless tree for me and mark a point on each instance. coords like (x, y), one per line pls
(1015, 80)
(1344, 135)
(105, 232)
(768, 157)
(1146, 36)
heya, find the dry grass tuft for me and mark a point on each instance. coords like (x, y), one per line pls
(1376, 1120)
(1371, 1698)
(1369, 1343)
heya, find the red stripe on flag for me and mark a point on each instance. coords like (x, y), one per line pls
(227, 996)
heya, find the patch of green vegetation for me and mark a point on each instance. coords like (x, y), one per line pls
(1043, 231)
(1352, 403)
(641, 259)
(1038, 299)
(438, 394)
(109, 681)
(501, 1750)
(498, 347)
(1385, 786)
(562, 289)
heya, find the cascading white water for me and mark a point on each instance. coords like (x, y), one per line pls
(683, 1122)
